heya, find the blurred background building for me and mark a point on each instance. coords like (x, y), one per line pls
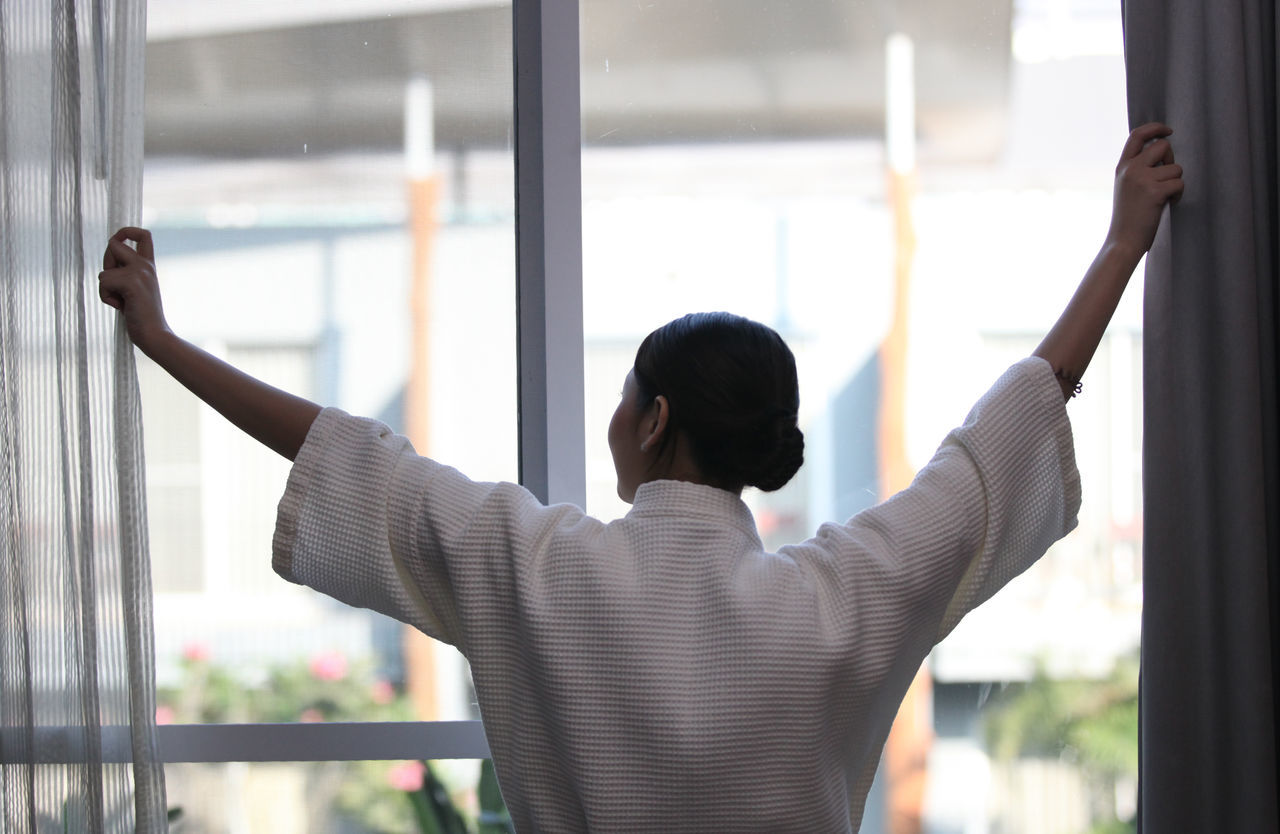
(734, 157)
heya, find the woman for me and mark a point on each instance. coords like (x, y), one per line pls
(663, 672)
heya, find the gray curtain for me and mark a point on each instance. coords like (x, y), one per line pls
(1211, 452)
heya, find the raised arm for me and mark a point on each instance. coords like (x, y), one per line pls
(128, 282)
(1146, 179)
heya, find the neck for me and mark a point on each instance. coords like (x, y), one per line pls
(678, 465)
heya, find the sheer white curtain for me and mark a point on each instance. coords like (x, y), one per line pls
(77, 700)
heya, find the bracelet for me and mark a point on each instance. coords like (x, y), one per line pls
(1074, 381)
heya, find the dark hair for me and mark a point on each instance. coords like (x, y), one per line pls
(731, 388)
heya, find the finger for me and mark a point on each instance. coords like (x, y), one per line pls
(1166, 172)
(111, 280)
(108, 259)
(1172, 189)
(124, 255)
(1167, 192)
(1141, 136)
(108, 297)
(140, 236)
(147, 250)
(1156, 153)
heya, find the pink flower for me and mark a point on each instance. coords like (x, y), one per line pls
(165, 714)
(311, 715)
(195, 652)
(329, 666)
(382, 692)
(407, 776)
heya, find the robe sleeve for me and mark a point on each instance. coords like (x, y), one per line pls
(1000, 490)
(367, 521)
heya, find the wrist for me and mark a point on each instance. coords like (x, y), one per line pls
(1124, 253)
(156, 342)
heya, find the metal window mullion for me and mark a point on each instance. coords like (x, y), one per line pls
(337, 742)
(549, 249)
(369, 741)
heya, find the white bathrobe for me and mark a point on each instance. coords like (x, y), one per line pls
(664, 672)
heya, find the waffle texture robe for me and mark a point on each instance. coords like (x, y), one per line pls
(664, 672)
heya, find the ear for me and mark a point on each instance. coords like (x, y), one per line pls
(654, 425)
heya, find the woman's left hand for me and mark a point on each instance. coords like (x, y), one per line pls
(128, 282)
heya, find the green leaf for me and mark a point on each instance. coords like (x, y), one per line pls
(493, 817)
(451, 821)
(428, 822)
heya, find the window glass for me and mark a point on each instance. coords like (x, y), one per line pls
(331, 797)
(331, 192)
(735, 157)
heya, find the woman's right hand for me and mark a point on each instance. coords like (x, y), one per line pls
(1146, 178)
(128, 282)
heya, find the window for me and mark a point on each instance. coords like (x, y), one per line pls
(312, 173)
(732, 156)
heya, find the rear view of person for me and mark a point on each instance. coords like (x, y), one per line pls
(664, 672)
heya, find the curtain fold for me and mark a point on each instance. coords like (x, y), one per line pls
(1211, 457)
(77, 694)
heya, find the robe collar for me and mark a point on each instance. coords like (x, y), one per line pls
(682, 499)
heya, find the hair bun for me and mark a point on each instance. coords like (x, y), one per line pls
(780, 462)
